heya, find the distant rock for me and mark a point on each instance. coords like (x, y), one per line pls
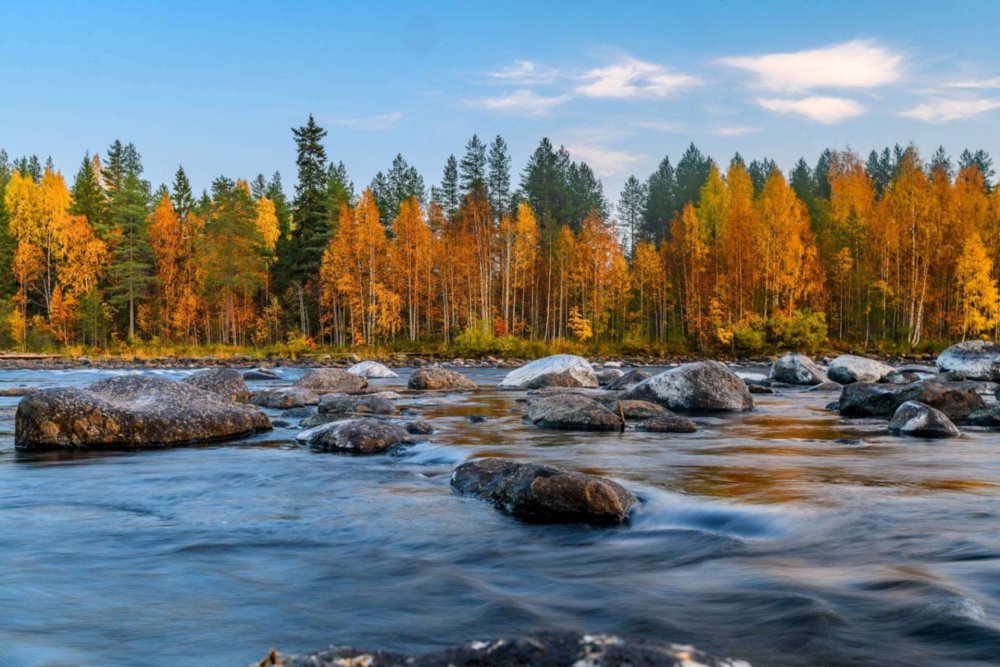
(760, 389)
(573, 412)
(898, 377)
(848, 368)
(356, 403)
(543, 492)
(608, 375)
(922, 421)
(559, 370)
(976, 359)
(419, 427)
(670, 424)
(332, 381)
(612, 364)
(260, 374)
(364, 435)
(643, 410)
(131, 411)
(372, 369)
(795, 368)
(435, 377)
(868, 399)
(226, 382)
(829, 385)
(702, 386)
(630, 379)
(285, 397)
(988, 416)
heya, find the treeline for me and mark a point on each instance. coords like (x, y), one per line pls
(890, 250)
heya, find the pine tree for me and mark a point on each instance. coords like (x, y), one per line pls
(631, 205)
(661, 203)
(447, 196)
(311, 211)
(132, 258)
(472, 168)
(182, 198)
(499, 178)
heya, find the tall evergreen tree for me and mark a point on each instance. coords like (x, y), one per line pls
(472, 168)
(631, 205)
(446, 196)
(182, 198)
(982, 161)
(311, 208)
(132, 257)
(499, 178)
(661, 203)
(392, 189)
(89, 198)
(692, 170)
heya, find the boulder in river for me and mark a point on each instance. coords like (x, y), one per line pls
(794, 368)
(435, 377)
(668, 424)
(608, 375)
(848, 368)
(564, 649)
(558, 370)
(630, 379)
(702, 386)
(922, 421)
(226, 382)
(976, 359)
(829, 385)
(868, 399)
(356, 403)
(364, 435)
(642, 409)
(332, 381)
(372, 369)
(131, 411)
(544, 492)
(260, 374)
(573, 412)
(988, 416)
(285, 397)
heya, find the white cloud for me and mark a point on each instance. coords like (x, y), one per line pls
(604, 161)
(855, 64)
(520, 102)
(380, 122)
(943, 110)
(734, 131)
(631, 78)
(826, 110)
(975, 83)
(524, 73)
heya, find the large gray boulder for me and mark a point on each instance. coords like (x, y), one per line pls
(365, 435)
(976, 359)
(922, 421)
(794, 368)
(372, 369)
(988, 416)
(372, 404)
(868, 399)
(226, 382)
(437, 378)
(558, 370)
(848, 368)
(608, 375)
(283, 398)
(702, 386)
(543, 492)
(573, 412)
(629, 380)
(332, 381)
(131, 411)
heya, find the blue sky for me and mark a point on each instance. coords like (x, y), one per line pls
(217, 86)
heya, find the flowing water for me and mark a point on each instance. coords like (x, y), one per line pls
(786, 536)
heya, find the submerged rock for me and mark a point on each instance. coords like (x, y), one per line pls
(703, 386)
(131, 411)
(642, 410)
(365, 435)
(829, 385)
(358, 403)
(558, 370)
(630, 379)
(372, 369)
(669, 424)
(419, 427)
(285, 397)
(573, 412)
(435, 377)
(332, 381)
(550, 649)
(794, 368)
(544, 492)
(848, 368)
(868, 399)
(226, 382)
(922, 421)
(976, 359)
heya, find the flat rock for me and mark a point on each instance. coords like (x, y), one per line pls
(285, 397)
(226, 382)
(260, 374)
(976, 359)
(364, 435)
(630, 379)
(558, 370)
(131, 411)
(848, 368)
(795, 368)
(543, 492)
(867, 399)
(435, 377)
(332, 381)
(356, 403)
(573, 412)
(670, 424)
(829, 385)
(916, 419)
(372, 369)
(702, 386)
(642, 409)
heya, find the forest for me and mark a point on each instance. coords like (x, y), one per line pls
(889, 251)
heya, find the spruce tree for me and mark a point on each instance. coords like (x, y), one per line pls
(630, 207)
(447, 195)
(661, 203)
(131, 266)
(182, 198)
(472, 168)
(311, 208)
(499, 178)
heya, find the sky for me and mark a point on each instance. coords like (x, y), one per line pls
(217, 86)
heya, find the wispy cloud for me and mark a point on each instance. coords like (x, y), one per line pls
(522, 102)
(855, 64)
(604, 161)
(660, 125)
(974, 83)
(734, 131)
(942, 110)
(632, 78)
(379, 122)
(524, 73)
(826, 110)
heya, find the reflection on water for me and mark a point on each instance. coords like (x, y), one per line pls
(785, 536)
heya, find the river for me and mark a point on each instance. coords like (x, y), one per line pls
(785, 536)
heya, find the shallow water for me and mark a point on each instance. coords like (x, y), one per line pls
(786, 536)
